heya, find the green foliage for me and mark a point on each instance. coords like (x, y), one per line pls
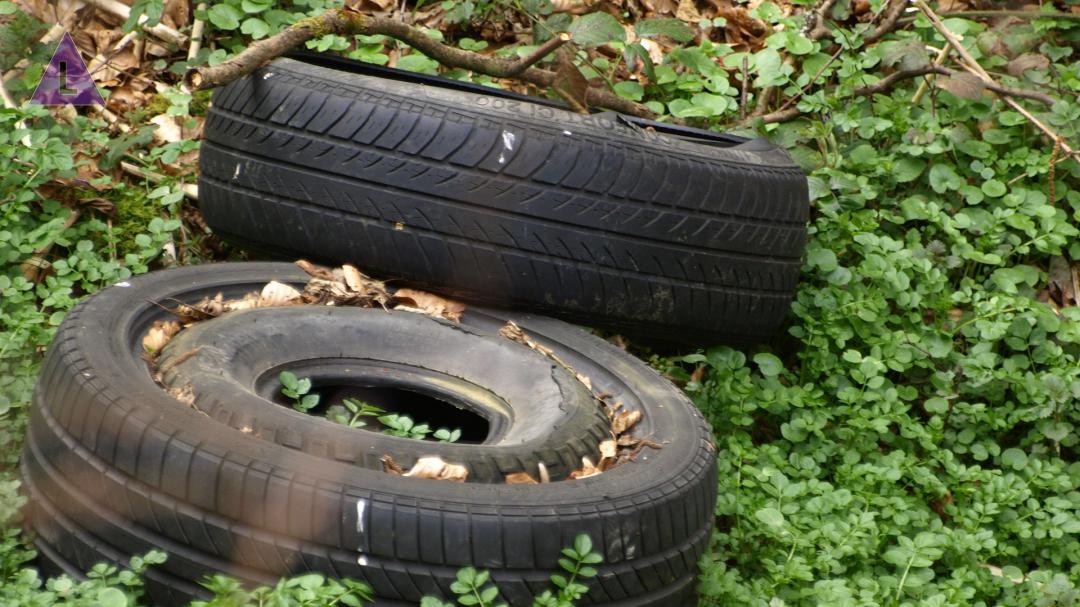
(472, 588)
(309, 590)
(403, 426)
(351, 412)
(105, 586)
(915, 442)
(299, 390)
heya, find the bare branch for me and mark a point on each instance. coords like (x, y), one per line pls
(973, 66)
(159, 31)
(888, 22)
(347, 22)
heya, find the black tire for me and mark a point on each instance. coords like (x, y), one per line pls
(655, 231)
(115, 466)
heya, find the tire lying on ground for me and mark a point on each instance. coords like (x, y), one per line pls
(653, 230)
(235, 481)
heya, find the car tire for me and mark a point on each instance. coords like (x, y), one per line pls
(116, 466)
(660, 232)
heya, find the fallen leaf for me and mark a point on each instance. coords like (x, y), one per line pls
(168, 130)
(625, 420)
(544, 476)
(521, 478)
(435, 468)
(1027, 62)
(571, 85)
(608, 451)
(315, 270)
(278, 294)
(513, 332)
(587, 469)
(429, 303)
(1062, 284)
(390, 466)
(159, 335)
(688, 12)
(963, 85)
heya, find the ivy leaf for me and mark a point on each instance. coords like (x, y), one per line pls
(675, 29)
(224, 17)
(254, 27)
(596, 29)
(153, 10)
(770, 365)
(770, 516)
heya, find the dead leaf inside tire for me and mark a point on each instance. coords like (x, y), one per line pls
(436, 469)
(428, 303)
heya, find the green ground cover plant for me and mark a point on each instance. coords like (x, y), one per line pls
(910, 440)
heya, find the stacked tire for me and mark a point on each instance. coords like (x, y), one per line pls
(236, 483)
(664, 233)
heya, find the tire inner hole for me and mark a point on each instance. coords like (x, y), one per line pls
(423, 409)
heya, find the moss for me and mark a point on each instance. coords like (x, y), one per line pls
(134, 212)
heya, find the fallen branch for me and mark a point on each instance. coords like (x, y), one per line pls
(196, 33)
(888, 23)
(190, 189)
(887, 83)
(973, 66)
(159, 31)
(924, 86)
(345, 22)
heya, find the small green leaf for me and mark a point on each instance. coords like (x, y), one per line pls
(675, 29)
(770, 365)
(770, 516)
(596, 29)
(224, 17)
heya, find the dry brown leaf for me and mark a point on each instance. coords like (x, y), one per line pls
(278, 294)
(688, 12)
(963, 85)
(571, 85)
(353, 278)
(521, 478)
(315, 270)
(435, 468)
(513, 332)
(159, 335)
(390, 466)
(609, 449)
(1062, 284)
(429, 303)
(587, 469)
(625, 420)
(168, 130)
(1027, 62)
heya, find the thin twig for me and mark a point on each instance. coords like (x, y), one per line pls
(745, 86)
(791, 100)
(924, 86)
(196, 33)
(814, 28)
(190, 189)
(541, 51)
(888, 22)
